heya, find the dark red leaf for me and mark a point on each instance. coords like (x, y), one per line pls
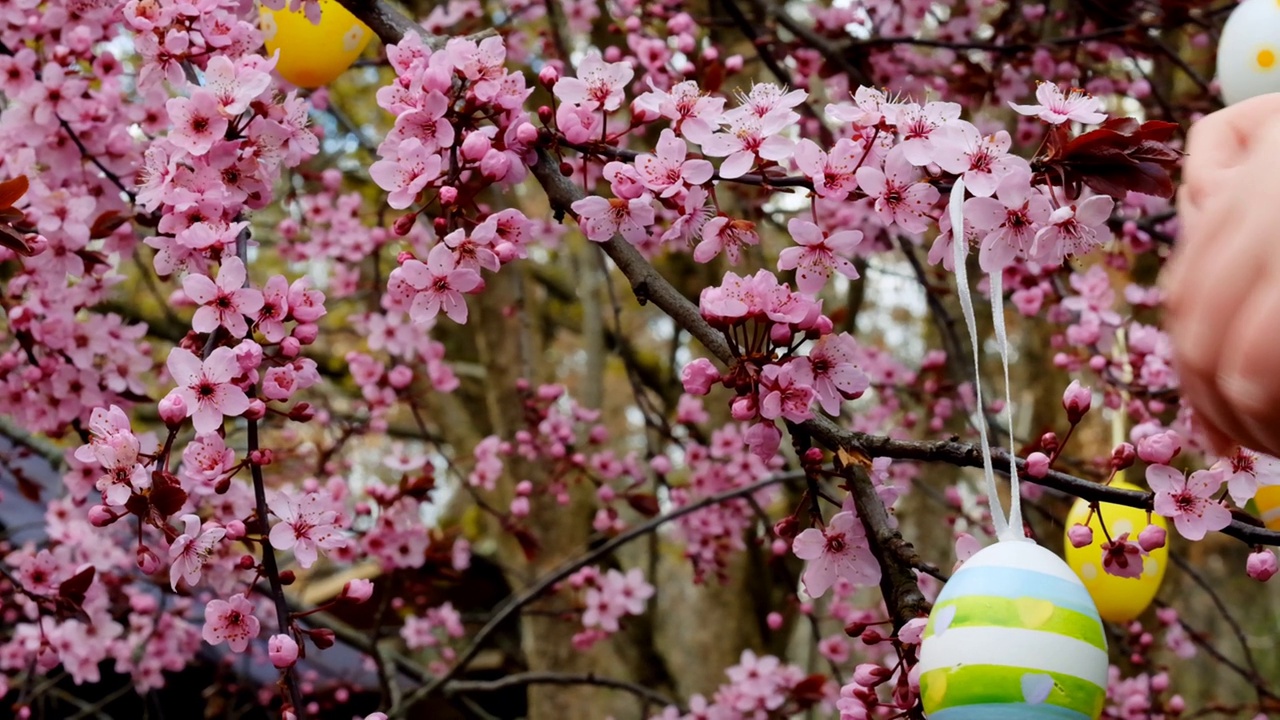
(644, 503)
(73, 588)
(11, 191)
(106, 224)
(14, 241)
(30, 490)
(528, 543)
(167, 496)
(1120, 157)
(808, 692)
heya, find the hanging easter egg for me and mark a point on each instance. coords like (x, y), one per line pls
(1014, 635)
(1119, 599)
(1249, 51)
(1268, 502)
(313, 55)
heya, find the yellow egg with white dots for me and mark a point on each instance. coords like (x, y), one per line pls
(313, 55)
(1249, 51)
(1119, 599)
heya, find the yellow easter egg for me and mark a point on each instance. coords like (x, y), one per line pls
(313, 55)
(1268, 502)
(1118, 599)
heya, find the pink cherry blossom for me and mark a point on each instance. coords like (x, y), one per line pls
(832, 173)
(982, 161)
(685, 100)
(206, 387)
(839, 551)
(1122, 558)
(234, 87)
(275, 308)
(440, 284)
(599, 84)
(1188, 500)
(197, 122)
(747, 138)
(231, 622)
(727, 235)
(1073, 230)
(225, 302)
(818, 255)
(190, 550)
(1010, 220)
(406, 173)
(668, 172)
(305, 526)
(836, 375)
(282, 651)
(1247, 471)
(601, 219)
(918, 127)
(1056, 107)
(786, 392)
(899, 196)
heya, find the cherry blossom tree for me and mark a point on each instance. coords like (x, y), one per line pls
(587, 359)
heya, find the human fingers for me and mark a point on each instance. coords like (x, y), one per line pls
(1248, 377)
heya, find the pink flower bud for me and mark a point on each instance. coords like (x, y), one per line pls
(507, 252)
(147, 560)
(357, 591)
(173, 410)
(290, 347)
(1160, 448)
(257, 410)
(524, 487)
(733, 63)
(475, 146)
(870, 674)
(526, 133)
(520, 506)
(235, 530)
(780, 334)
(101, 516)
(1080, 535)
(399, 377)
(1037, 464)
(1261, 565)
(448, 195)
(1152, 537)
(495, 165)
(306, 333)
(548, 75)
(1123, 456)
(774, 620)
(1177, 705)
(283, 651)
(1160, 682)
(261, 456)
(661, 464)
(698, 376)
(1076, 400)
(1049, 442)
(248, 355)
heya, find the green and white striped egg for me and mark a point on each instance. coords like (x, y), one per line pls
(1014, 635)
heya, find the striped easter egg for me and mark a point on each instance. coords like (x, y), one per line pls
(1014, 635)
(1268, 502)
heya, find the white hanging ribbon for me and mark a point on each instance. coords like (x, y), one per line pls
(1009, 528)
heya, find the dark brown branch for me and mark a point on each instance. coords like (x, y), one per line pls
(548, 581)
(458, 687)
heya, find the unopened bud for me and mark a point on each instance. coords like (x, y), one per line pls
(287, 577)
(173, 410)
(302, 412)
(404, 224)
(261, 456)
(101, 516)
(147, 560)
(448, 195)
(256, 410)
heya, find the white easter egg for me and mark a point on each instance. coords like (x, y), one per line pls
(1014, 635)
(1249, 51)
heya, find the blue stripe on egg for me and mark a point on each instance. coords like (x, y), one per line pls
(1021, 711)
(1014, 583)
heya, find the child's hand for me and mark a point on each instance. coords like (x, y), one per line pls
(1223, 282)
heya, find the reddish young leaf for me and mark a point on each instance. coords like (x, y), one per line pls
(106, 224)
(644, 503)
(808, 692)
(167, 495)
(11, 191)
(1117, 158)
(73, 588)
(15, 242)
